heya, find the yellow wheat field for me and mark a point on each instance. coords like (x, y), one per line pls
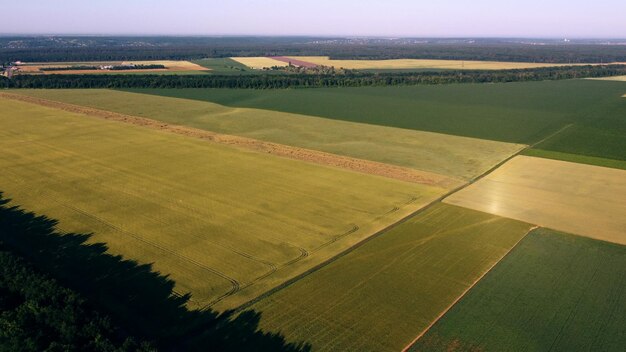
(170, 66)
(225, 224)
(421, 64)
(580, 199)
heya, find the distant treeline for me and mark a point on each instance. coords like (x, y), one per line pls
(111, 68)
(38, 314)
(350, 79)
(60, 49)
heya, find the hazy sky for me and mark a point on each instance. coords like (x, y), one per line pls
(526, 18)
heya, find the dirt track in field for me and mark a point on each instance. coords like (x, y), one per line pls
(313, 156)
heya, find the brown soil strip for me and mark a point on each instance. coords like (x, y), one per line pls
(313, 156)
(295, 62)
(407, 347)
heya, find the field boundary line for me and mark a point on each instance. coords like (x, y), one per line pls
(349, 250)
(550, 136)
(376, 234)
(464, 293)
(290, 152)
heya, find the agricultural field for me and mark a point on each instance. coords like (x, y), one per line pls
(552, 292)
(449, 157)
(581, 117)
(225, 223)
(259, 63)
(225, 66)
(384, 293)
(420, 64)
(581, 199)
(171, 67)
(614, 78)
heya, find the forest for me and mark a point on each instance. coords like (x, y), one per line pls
(50, 49)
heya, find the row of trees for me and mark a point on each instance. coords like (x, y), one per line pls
(346, 79)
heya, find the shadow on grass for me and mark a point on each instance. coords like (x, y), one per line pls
(137, 298)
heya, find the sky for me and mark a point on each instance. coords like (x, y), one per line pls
(387, 18)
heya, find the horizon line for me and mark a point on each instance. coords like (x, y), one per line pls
(330, 36)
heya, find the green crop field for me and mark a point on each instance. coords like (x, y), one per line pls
(524, 112)
(576, 158)
(554, 292)
(458, 157)
(383, 294)
(224, 223)
(226, 66)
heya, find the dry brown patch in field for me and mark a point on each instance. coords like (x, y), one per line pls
(576, 198)
(313, 156)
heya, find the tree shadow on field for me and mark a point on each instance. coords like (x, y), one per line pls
(138, 299)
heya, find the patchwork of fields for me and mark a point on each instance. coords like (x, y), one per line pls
(552, 292)
(457, 158)
(421, 64)
(395, 64)
(581, 199)
(386, 292)
(340, 257)
(588, 115)
(225, 223)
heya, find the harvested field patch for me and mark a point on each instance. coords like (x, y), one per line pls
(224, 223)
(259, 63)
(171, 66)
(552, 292)
(422, 64)
(452, 156)
(384, 293)
(581, 199)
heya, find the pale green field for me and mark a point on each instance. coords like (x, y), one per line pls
(221, 221)
(386, 292)
(457, 157)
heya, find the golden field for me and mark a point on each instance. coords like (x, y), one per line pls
(576, 198)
